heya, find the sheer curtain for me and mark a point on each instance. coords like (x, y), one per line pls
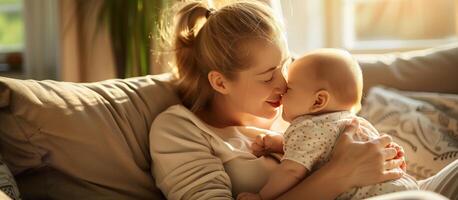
(85, 50)
(41, 45)
(405, 19)
(304, 24)
(342, 23)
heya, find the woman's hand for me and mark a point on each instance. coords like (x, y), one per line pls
(364, 163)
(400, 155)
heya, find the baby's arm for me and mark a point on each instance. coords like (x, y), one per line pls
(286, 176)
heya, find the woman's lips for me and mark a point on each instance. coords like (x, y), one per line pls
(274, 104)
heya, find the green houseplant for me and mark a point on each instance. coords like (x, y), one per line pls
(131, 25)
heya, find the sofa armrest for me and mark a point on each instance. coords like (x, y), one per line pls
(429, 70)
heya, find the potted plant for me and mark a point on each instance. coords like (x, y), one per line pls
(131, 25)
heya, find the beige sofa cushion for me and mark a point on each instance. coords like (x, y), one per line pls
(430, 70)
(97, 132)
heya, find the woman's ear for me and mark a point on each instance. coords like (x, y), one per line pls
(322, 98)
(218, 82)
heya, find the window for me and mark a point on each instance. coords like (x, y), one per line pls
(370, 26)
(395, 24)
(11, 35)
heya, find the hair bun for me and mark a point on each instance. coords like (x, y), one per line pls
(210, 12)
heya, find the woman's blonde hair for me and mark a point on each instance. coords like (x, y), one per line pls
(205, 39)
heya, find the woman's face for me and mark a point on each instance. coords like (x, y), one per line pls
(258, 89)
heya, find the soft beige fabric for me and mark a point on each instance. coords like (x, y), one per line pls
(444, 183)
(430, 70)
(97, 132)
(192, 160)
(410, 195)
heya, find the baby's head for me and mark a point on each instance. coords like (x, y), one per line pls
(322, 81)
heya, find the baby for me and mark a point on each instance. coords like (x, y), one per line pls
(324, 93)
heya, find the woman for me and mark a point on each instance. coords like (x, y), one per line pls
(230, 81)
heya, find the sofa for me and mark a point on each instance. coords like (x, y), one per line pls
(43, 123)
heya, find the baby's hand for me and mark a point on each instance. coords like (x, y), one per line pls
(248, 196)
(265, 144)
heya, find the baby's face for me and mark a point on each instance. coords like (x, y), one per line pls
(326, 80)
(301, 89)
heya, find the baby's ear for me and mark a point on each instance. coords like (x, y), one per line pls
(322, 98)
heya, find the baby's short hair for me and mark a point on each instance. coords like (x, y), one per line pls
(339, 72)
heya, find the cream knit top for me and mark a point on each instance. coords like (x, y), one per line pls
(193, 160)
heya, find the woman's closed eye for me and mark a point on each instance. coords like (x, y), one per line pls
(272, 76)
(270, 79)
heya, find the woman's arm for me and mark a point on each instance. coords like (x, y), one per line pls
(352, 164)
(182, 161)
(287, 175)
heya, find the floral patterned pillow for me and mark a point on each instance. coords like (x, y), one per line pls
(425, 124)
(7, 183)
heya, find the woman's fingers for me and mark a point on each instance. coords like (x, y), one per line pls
(391, 175)
(345, 139)
(401, 152)
(389, 153)
(372, 161)
(347, 134)
(400, 155)
(404, 166)
(352, 127)
(399, 149)
(383, 141)
(392, 164)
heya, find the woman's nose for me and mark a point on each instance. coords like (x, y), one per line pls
(280, 85)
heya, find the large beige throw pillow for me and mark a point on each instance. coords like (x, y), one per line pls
(96, 132)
